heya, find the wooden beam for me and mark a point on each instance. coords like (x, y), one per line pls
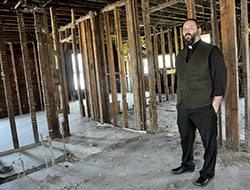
(44, 62)
(140, 64)
(103, 69)
(28, 74)
(176, 41)
(111, 68)
(165, 5)
(191, 9)
(84, 55)
(96, 63)
(92, 70)
(114, 5)
(229, 49)
(158, 76)
(7, 88)
(75, 53)
(181, 37)
(87, 57)
(246, 67)
(121, 66)
(38, 74)
(148, 39)
(134, 65)
(214, 24)
(170, 48)
(60, 63)
(15, 78)
(163, 50)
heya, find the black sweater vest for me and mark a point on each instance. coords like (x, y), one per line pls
(194, 86)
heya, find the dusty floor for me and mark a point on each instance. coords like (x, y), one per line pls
(110, 158)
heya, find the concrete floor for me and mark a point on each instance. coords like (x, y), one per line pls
(111, 158)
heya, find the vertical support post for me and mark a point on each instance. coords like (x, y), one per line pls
(15, 78)
(135, 69)
(82, 46)
(92, 70)
(191, 9)
(7, 87)
(181, 37)
(216, 41)
(59, 62)
(28, 74)
(229, 48)
(96, 65)
(158, 76)
(85, 55)
(140, 65)
(48, 90)
(147, 30)
(163, 50)
(75, 53)
(38, 76)
(176, 41)
(121, 66)
(111, 68)
(246, 67)
(170, 48)
(103, 69)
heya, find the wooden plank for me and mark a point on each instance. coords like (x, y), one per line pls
(92, 70)
(75, 53)
(148, 39)
(84, 57)
(158, 76)
(121, 66)
(214, 24)
(163, 50)
(68, 26)
(216, 41)
(114, 5)
(15, 78)
(191, 12)
(28, 74)
(181, 37)
(47, 84)
(111, 68)
(7, 88)
(246, 67)
(165, 5)
(229, 49)
(63, 63)
(96, 63)
(140, 65)
(176, 41)
(103, 68)
(38, 76)
(170, 48)
(134, 67)
(60, 63)
(87, 83)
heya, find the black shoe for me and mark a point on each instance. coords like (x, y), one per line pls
(201, 181)
(181, 170)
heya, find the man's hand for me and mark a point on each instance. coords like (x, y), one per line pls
(216, 103)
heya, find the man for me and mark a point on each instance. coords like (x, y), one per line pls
(201, 77)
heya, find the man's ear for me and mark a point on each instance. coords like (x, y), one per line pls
(199, 30)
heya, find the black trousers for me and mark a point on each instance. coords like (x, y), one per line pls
(205, 120)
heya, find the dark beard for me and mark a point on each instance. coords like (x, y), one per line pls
(191, 41)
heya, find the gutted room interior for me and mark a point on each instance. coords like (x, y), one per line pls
(87, 94)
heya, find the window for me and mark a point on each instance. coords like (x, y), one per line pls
(79, 57)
